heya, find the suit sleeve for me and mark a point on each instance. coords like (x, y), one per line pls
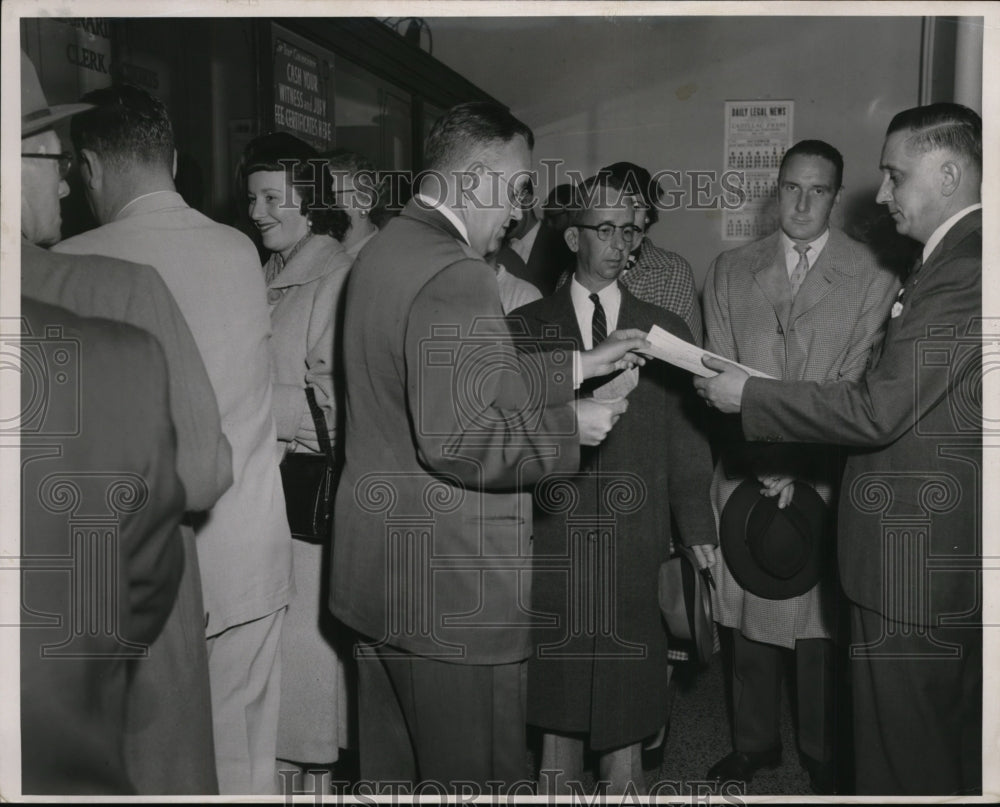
(204, 456)
(892, 396)
(870, 327)
(480, 410)
(292, 417)
(152, 552)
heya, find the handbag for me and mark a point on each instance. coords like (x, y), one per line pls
(310, 481)
(686, 604)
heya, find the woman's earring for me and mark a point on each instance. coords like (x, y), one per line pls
(363, 213)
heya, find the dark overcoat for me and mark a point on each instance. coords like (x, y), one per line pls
(600, 662)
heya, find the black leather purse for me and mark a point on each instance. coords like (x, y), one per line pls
(310, 482)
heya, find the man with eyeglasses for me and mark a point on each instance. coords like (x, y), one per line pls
(109, 416)
(805, 303)
(653, 274)
(604, 685)
(169, 703)
(445, 426)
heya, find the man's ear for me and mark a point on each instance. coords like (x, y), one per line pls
(571, 235)
(91, 169)
(951, 177)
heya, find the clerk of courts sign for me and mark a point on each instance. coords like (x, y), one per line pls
(302, 103)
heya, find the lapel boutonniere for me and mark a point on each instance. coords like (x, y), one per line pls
(897, 307)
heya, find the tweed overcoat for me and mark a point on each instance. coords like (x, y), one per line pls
(825, 334)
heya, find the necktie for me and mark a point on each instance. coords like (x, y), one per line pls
(799, 273)
(599, 324)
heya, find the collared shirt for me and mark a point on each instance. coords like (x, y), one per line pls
(611, 300)
(447, 212)
(514, 292)
(792, 257)
(942, 230)
(523, 246)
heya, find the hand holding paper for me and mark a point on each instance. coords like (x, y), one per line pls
(671, 349)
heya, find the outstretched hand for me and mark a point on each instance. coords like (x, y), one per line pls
(725, 390)
(615, 353)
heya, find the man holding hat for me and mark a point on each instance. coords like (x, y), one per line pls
(806, 302)
(909, 536)
(169, 748)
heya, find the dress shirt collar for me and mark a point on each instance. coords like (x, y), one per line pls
(611, 300)
(938, 235)
(523, 246)
(431, 204)
(792, 257)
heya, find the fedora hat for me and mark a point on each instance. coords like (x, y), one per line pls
(36, 114)
(771, 552)
(686, 604)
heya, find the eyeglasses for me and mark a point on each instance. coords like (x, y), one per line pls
(606, 231)
(65, 161)
(521, 197)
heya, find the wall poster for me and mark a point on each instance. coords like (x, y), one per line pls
(757, 135)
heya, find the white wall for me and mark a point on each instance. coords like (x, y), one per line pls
(651, 90)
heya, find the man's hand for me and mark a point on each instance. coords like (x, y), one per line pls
(614, 353)
(725, 390)
(595, 418)
(705, 554)
(781, 486)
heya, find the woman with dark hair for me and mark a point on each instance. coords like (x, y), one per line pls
(357, 191)
(287, 189)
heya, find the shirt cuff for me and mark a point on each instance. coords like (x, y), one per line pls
(577, 369)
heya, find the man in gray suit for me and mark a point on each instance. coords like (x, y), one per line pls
(911, 486)
(805, 303)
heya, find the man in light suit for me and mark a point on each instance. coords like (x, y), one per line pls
(910, 491)
(168, 708)
(805, 303)
(127, 155)
(445, 424)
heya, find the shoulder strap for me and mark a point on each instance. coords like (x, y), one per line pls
(322, 433)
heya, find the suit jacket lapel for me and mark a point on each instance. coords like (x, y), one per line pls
(826, 274)
(771, 277)
(559, 311)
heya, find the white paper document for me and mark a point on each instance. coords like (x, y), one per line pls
(668, 348)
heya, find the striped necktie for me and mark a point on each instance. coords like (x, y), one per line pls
(801, 268)
(599, 324)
